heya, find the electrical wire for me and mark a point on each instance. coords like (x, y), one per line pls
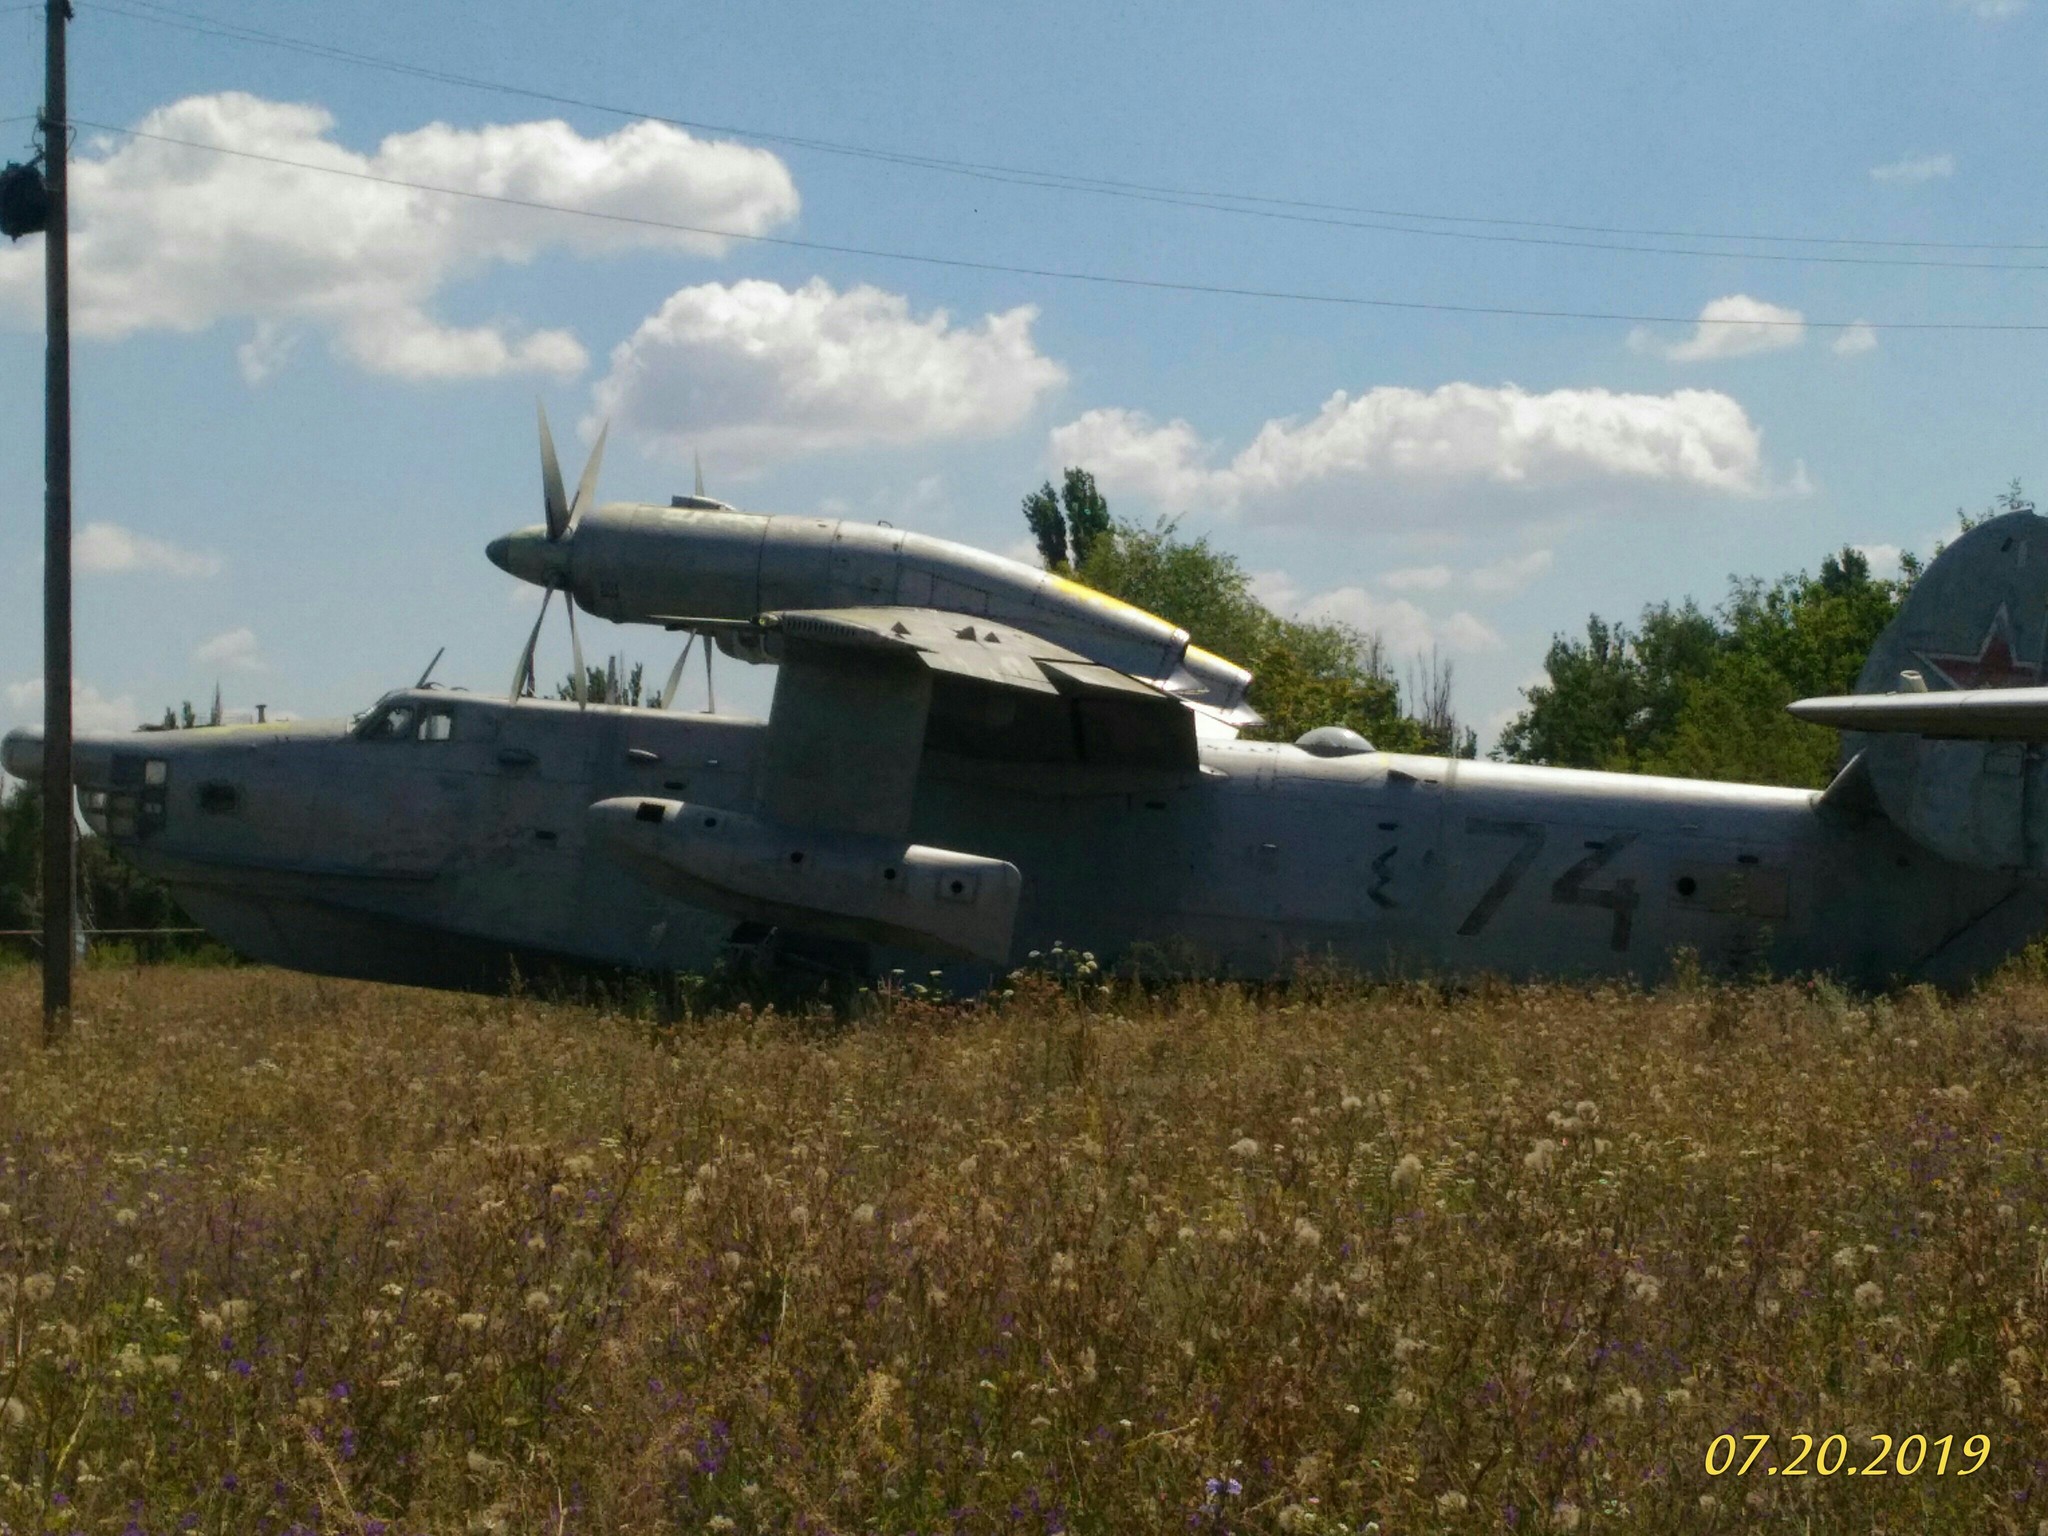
(1291, 210)
(1057, 273)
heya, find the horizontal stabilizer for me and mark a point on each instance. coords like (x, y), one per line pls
(1962, 714)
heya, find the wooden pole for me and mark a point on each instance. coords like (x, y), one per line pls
(59, 833)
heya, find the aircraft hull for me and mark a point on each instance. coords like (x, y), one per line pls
(464, 861)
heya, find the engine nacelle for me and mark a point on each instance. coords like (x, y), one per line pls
(837, 884)
(647, 564)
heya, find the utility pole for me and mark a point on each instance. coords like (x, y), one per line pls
(60, 838)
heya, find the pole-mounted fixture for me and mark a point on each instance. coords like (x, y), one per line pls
(24, 199)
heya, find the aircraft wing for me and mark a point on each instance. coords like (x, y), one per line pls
(865, 692)
(1967, 714)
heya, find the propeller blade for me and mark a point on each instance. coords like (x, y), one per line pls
(699, 459)
(675, 677)
(586, 488)
(524, 671)
(552, 499)
(710, 693)
(576, 650)
(430, 667)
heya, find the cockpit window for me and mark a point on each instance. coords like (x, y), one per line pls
(391, 723)
(409, 721)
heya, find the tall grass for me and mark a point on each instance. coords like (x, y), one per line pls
(284, 1254)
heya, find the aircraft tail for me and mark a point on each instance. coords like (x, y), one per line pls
(1948, 726)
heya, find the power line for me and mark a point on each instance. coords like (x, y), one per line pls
(1057, 273)
(1291, 210)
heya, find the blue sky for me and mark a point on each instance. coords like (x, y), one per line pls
(304, 402)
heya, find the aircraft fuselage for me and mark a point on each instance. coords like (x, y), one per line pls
(432, 850)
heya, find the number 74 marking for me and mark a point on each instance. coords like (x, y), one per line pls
(1570, 889)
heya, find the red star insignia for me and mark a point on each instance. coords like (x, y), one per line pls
(1994, 665)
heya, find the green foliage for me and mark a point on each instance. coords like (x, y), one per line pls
(1068, 523)
(113, 892)
(1704, 696)
(1088, 519)
(610, 683)
(1305, 674)
(1048, 526)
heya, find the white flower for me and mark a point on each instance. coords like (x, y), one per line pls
(473, 1322)
(1870, 1295)
(1245, 1147)
(1407, 1175)
(538, 1301)
(38, 1287)
(1306, 1233)
(1541, 1156)
(1451, 1503)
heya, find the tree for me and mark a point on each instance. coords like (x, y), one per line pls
(1067, 524)
(1048, 526)
(1304, 674)
(1704, 696)
(1088, 519)
(608, 684)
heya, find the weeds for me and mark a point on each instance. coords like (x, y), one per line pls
(279, 1253)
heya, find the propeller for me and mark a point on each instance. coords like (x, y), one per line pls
(562, 516)
(675, 676)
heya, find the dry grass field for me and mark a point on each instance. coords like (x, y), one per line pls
(279, 1254)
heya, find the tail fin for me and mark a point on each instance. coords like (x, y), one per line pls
(1954, 758)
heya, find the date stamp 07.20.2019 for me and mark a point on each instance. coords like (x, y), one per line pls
(1833, 1456)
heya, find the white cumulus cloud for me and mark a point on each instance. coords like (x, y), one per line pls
(107, 549)
(171, 238)
(1914, 169)
(1854, 340)
(1404, 627)
(1735, 326)
(92, 712)
(752, 371)
(1991, 10)
(1459, 435)
(234, 651)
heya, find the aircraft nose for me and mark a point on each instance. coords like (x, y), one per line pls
(21, 754)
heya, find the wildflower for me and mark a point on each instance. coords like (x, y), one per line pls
(38, 1287)
(1406, 1348)
(720, 1523)
(473, 1322)
(1587, 1111)
(125, 1217)
(1677, 1397)
(1645, 1288)
(1306, 1233)
(1870, 1295)
(1063, 1263)
(1451, 1503)
(1406, 1400)
(1407, 1175)
(13, 1411)
(1223, 1487)
(1708, 1504)
(864, 1214)
(1627, 1400)
(1541, 1156)
(538, 1301)
(1847, 1259)
(1565, 1516)
(1245, 1147)
(1351, 1101)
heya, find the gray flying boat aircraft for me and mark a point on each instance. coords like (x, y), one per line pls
(967, 759)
